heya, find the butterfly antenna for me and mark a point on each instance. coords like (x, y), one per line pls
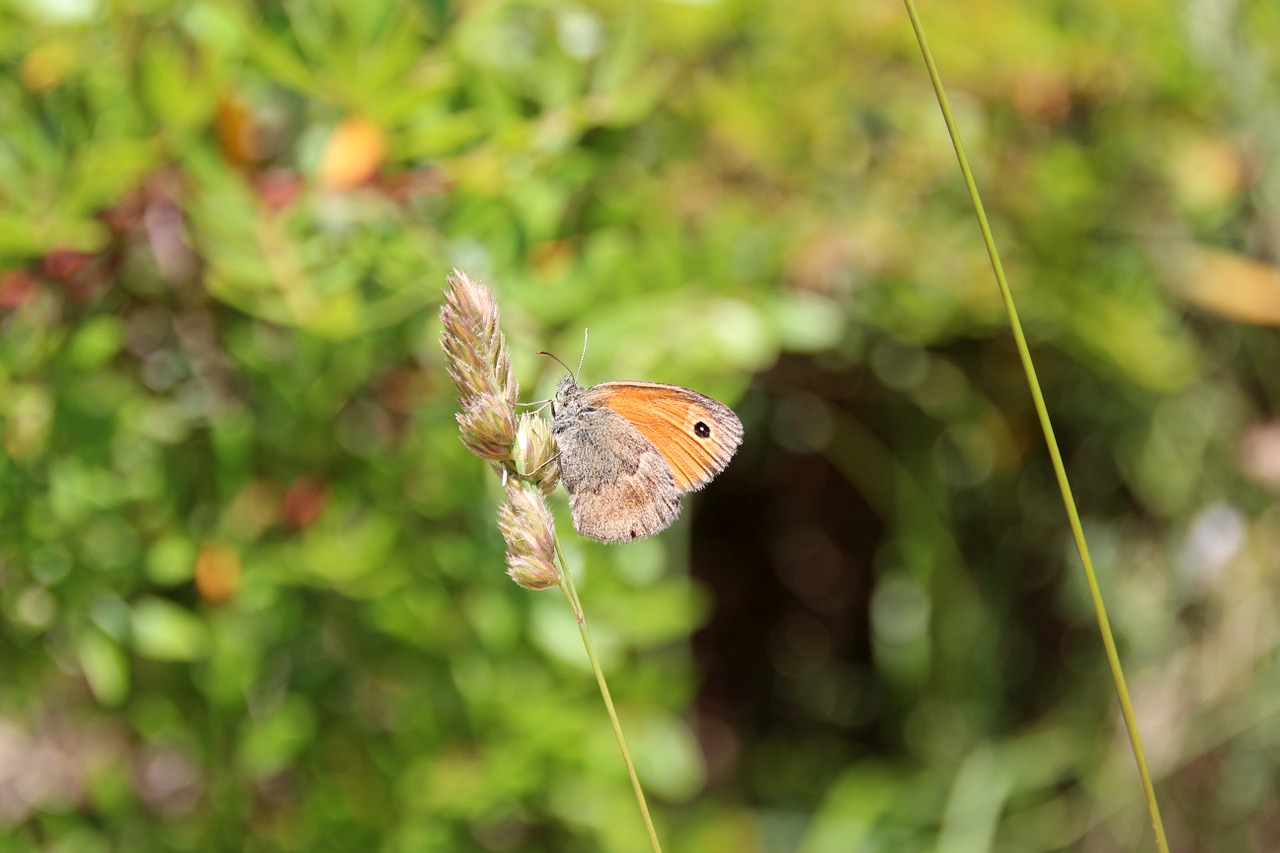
(553, 357)
(583, 359)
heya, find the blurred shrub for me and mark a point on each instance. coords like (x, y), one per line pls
(251, 587)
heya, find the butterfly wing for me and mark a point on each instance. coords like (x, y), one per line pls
(619, 486)
(639, 503)
(694, 434)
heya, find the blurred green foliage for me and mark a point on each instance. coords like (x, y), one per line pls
(251, 587)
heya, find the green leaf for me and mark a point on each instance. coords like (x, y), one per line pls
(163, 630)
(105, 667)
(270, 744)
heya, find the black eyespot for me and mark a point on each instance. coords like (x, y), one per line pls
(701, 430)
(633, 534)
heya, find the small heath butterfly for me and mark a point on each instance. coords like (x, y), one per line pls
(629, 450)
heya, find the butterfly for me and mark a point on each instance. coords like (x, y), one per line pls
(630, 450)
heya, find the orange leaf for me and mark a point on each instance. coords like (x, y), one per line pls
(353, 154)
(1232, 286)
(217, 572)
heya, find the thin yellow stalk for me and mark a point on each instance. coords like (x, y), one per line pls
(571, 596)
(1060, 471)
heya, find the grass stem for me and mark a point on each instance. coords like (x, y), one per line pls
(571, 595)
(1060, 471)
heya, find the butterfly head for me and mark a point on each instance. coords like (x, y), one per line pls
(567, 400)
(568, 387)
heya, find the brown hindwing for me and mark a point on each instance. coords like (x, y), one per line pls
(629, 507)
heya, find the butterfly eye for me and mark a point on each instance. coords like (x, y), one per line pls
(701, 430)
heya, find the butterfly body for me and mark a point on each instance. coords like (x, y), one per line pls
(629, 450)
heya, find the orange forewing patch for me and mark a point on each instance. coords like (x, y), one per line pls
(668, 415)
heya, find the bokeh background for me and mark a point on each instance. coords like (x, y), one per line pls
(251, 587)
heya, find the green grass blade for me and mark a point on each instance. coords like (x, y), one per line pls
(1060, 471)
